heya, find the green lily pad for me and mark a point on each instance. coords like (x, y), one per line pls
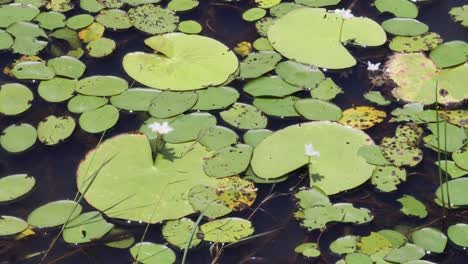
(217, 137)
(255, 136)
(460, 14)
(101, 85)
(373, 155)
(99, 120)
(244, 116)
(119, 239)
(406, 253)
(85, 228)
(83, 103)
(187, 127)
(282, 9)
(32, 70)
(15, 187)
(12, 13)
(424, 42)
(377, 98)
(163, 184)
(114, 19)
(263, 25)
(67, 66)
(101, 47)
(387, 178)
(430, 239)
(326, 90)
(141, 2)
(449, 54)
(404, 27)
(295, 36)
(168, 103)
(57, 89)
(214, 98)
(150, 253)
(262, 44)
(192, 55)
(227, 230)
(313, 109)
(318, 217)
(358, 258)
(10, 225)
(451, 168)
(6, 40)
(269, 161)
(308, 250)
(91, 32)
(18, 138)
(36, 3)
(460, 158)
(458, 234)
(270, 86)
(281, 107)
(412, 207)
(54, 130)
(54, 214)
(135, 99)
(60, 5)
(79, 21)
(258, 63)
(456, 191)
(203, 198)
(344, 245)
(253, 14)
(178, 233)
(153, 19)
(450, 138)
(299, 74)
(15, 99)
(26, 29)
(312, 197)
(27, 45)
(399, 8)
(51, 20)
(190, 27)
(228, 161)
(182, 5)
(317, 3)
(396, 238)
(92, 6)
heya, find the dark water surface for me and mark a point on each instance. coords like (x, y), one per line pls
(54, 167)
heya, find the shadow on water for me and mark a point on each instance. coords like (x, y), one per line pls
(54, 168)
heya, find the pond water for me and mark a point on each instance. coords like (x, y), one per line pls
(55, 167)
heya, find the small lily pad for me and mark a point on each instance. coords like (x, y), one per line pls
(178, 233)
(85, 228)
(227, 230)
(83, 103)
(253, 14)
(377, 98)
(430, 239)
(310, 250)
(228, 161)
(326, 90)
(358, 258)
(114, 19)
(451, 168)
(405, 27)
(15, 187)
(51, 20)
(101, 47)
(92, 6)
(449, 54)
(167, 103)
(445, 137)
(217, 137)
(412, 207)
(57, 89)
(101, 85)
(150, 253)
(299, 74)
(458, 234)
(214, 98)
(313, 109)
(399, 8)
(281, 107)
(67, 66)
(135, 99)
(344, 245)
(262, 44)
(153, 19)
(362, 117)
(460, 14)
(99, 120)
(54, 130)
(203, 198)
(182, 5)
(258, 63)
(424, 42)
(456, 191)
(15, 99)
(10, 225)
(387, 178)
(32, 70)
(270, 86)
(190, 27)
(244, 116)
(18, 138)
(79, 21)
(54, 214)
(406, 253)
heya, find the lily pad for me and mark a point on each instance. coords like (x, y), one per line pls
(100, 85)
(85, 228)
(99, 120)
(153, 19)
(191, 55)
(178, 233)
(253, 14)
(227, 230)
(6, 40)
(445, 137)
(187, 127)
(236, 193)
(60, 5)
(258, 63)
(396, 238)
(412, 207)
(424, 42)
(269, 161)
(270, 86)
(358, 258)
(406, 253)
(203, 198)
(460, 14)
(135, 99)
(83, 103)
(262, 44)
(91, 32)
(405, 27)
(190, 27)
(267, 3)
(281, 107)
(299, 74)
(51, 20)
(92, 6)
(308, 250)
(32, 70)
(387, 178)
(313, 109)
(10, 225)
(57, 89)
(317, 3)
(362, 117)
(217, 137)
(449, 54)
(456, 191)
(18, 138)
(255, 136)
(79, 21)
(244, 116)
(214, 98)
(150, 253)
(114, 19)
(344, 245)
(67, 66)
(15, 99)
(399, 8)
(15, 187)
(430, 239)
(101, 47)
(295, 36)
(377, 98)
(326, 90)
(163, 184)
(167, 103)
(54, 130)
(12, 13)
(182, 5)
(228, 161)
(451, 168)
(54, 214)
(373, 155)
(460, 158)
(458, 234)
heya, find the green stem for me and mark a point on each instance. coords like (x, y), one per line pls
(189, 243)
(438, 148)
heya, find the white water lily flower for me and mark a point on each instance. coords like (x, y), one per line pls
(344, 13)
(160, 129)
(310, 151)
(373, 67)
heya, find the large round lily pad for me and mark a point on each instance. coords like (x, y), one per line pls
(312, 36)
(15, 98)
(184, 62)
(134, 187)
(338, 167)
(16, 186)
(18, 138)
